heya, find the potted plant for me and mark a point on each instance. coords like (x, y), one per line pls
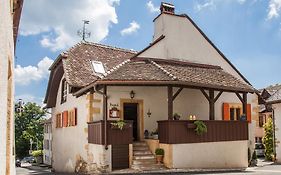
(176, 116)
(200, 128)
(120, 124)
(159, 153)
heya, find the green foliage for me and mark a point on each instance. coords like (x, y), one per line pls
(37, 153)
(119, 124)
(28, 125)
(201, 128)
(268, 139)
(159, 151)
(176, 116)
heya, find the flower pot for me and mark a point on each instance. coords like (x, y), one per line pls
(159, 159)
(191, 126)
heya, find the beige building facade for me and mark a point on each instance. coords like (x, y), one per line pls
(9, 17)
(138, 83)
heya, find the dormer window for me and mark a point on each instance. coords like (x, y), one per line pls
(63, 91)
(98, 67)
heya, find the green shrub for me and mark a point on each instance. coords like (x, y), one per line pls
(37, 153)
(268, 139)
(201, 128)
(119, 124)
(159, 151)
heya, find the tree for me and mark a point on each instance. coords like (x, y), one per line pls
(28, 126)
(268, 139)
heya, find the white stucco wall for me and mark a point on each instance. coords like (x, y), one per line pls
(6, 105)
(183, 41)
(277, 116)
(70, 144)
(232, 154)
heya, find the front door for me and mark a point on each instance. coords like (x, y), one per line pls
(131, 113)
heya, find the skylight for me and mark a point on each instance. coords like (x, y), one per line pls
(98, 67)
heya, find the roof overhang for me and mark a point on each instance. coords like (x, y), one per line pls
(17, 5)
(190, 85)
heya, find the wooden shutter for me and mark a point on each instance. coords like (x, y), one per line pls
(74, 116)
(65, 118)
(226, 111)
(249, 113)
(70, 118)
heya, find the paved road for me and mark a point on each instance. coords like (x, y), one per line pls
(265, 170)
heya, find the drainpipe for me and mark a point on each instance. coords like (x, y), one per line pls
(104, 94)
(273, 122)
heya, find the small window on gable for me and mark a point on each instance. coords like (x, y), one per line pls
(63, 91)
(98, 67)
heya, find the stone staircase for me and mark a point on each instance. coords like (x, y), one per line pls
(143, 159)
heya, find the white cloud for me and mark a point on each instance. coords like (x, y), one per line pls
(25, 75)
(241, 1)
(58, 21)
(30, 98)
(150, 6)
(134, 26)
(206, 5)
(274, 9)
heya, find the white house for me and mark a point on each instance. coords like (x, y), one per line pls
(47, 143)
(10, 11)
(181, 71)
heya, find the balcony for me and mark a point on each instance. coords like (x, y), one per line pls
(178, 132)
(115, 136)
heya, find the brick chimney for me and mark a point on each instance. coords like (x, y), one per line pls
(167, 8)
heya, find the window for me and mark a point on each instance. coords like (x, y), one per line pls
(59, 120)
(235, 113)
(98, 67)
(63, 91)
(262, 120)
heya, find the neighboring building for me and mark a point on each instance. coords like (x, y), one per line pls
(10, 11)
(181, 71)
(265, 110)
(275, 101)
(47, 143)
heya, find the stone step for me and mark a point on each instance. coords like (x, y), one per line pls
(144, 161)
(143, 157)
(140, 148)
(139, 144)
(150, 167)
(143, 152)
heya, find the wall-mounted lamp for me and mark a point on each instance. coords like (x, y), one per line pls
(148, 113)
(132, 94)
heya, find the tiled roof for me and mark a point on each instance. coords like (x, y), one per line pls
(77, 61)
(176, 71)
(276, 97)
(273, 88)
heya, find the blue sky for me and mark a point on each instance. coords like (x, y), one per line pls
(248, 32)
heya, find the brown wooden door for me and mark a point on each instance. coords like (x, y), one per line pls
(131, 113)
(120, 157)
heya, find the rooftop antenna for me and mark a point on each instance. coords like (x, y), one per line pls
(84, 33)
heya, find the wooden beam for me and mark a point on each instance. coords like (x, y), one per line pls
(245, 104)
(239, 96)
(218, 96)
(177, 93)
(205, 94)
(211, 105)
(170, 102)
